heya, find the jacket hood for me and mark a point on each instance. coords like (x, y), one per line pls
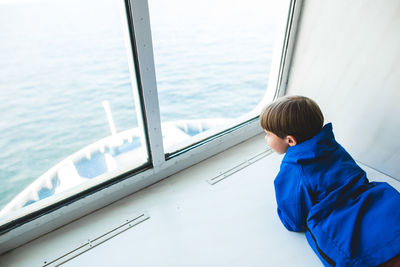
(322, 143)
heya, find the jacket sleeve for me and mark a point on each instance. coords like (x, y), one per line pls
(292, 197)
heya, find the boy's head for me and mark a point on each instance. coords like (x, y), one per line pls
(293, 119)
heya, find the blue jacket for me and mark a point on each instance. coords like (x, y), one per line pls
(348, 220)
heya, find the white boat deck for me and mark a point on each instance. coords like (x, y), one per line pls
(185, 221)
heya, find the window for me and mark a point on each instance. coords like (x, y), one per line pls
(213, 60)
(67, 99)
(79, 87)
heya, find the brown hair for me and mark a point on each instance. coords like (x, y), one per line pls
(298, 116)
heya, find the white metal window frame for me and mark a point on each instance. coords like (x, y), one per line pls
(241, 129)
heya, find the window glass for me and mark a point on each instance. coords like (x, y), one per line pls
(213, 60)
(66, 98)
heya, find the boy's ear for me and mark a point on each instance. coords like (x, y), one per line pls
(291, 140)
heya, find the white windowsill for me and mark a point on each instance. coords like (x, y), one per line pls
(191, 222)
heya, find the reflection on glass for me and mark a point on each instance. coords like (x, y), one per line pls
(66, 98)
(212, 59)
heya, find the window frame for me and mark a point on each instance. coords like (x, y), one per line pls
(19, 230)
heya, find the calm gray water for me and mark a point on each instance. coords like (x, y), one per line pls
(60, 59)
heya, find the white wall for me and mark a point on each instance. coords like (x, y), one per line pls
(347, 58)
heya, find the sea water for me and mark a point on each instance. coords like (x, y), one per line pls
(60, 59)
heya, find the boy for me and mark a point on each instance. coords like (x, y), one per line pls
(320, 190)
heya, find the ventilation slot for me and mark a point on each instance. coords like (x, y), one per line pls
(91, 243)
(239, 167)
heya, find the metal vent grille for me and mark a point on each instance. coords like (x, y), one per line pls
(239, 167)
(91, 243)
